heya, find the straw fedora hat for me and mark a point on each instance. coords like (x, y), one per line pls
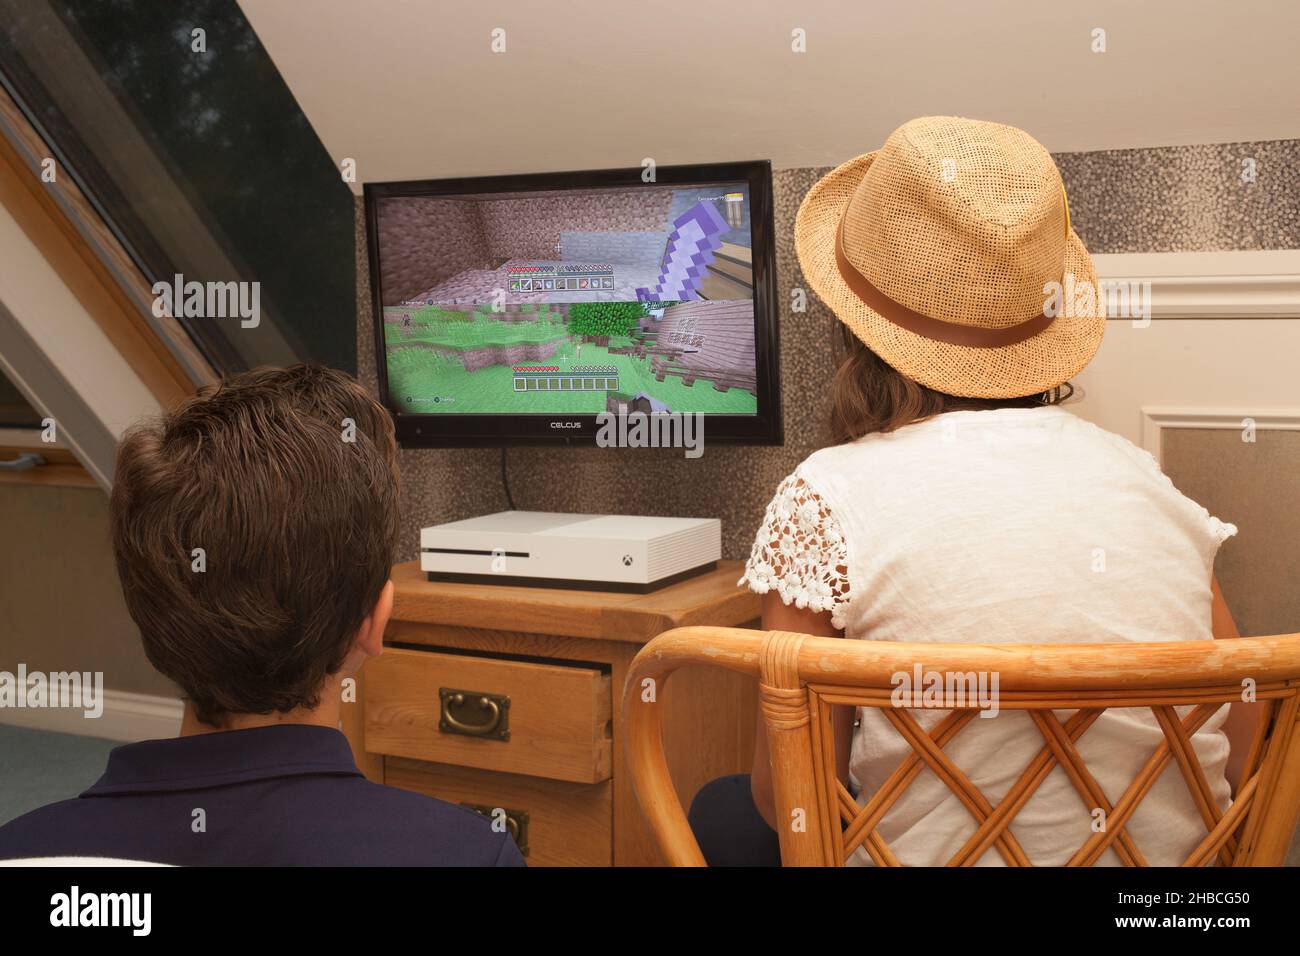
(949, 253)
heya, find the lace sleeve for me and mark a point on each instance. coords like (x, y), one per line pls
(800, 552)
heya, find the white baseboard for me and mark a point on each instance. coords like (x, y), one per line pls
(127, 717)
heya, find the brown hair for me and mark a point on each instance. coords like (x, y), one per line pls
(287, 479)
(868, 395)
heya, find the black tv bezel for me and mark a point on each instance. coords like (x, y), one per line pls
(489, 429)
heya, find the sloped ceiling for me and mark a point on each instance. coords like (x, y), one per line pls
(411, 89)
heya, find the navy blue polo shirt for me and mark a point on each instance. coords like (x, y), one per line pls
(288, 795)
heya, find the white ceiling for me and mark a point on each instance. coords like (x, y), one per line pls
(411, 89)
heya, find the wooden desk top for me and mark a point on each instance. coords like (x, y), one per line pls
(712, 598)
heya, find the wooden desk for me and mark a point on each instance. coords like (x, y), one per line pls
(542, 672)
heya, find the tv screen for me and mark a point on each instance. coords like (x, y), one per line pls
(518, 309)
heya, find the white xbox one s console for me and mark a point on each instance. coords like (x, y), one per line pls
(586, 552)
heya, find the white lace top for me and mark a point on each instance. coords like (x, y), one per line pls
(800, 552)
(1002, 526)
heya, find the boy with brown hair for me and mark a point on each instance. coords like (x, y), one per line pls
(254, 528)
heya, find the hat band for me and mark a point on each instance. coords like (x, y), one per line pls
(925, 326)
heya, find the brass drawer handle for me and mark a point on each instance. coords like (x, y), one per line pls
(494, 726)
(516, 822)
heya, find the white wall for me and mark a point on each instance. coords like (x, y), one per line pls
(411, 89)
(1244, 367)
(1223, 342)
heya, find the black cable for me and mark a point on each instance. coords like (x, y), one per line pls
(505, 481)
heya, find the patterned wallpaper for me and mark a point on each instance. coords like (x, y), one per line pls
(1186, 198)
(1249, 484)
(1180, 198)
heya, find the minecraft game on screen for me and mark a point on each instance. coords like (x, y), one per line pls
(570, 301)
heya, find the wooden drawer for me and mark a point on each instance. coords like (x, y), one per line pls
(568, 824)
(557, 718)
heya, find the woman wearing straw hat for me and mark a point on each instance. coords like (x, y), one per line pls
(963, 503)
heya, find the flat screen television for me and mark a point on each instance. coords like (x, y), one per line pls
(517, 309)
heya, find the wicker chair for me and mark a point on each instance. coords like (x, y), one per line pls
(801, 677)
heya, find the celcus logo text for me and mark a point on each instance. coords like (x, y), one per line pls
(566, 424)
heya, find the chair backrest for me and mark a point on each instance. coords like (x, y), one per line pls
(801, 678)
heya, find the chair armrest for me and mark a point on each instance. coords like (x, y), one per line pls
(643, 696)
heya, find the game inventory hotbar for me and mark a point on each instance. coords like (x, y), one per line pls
(564, 277)
(580, 378)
